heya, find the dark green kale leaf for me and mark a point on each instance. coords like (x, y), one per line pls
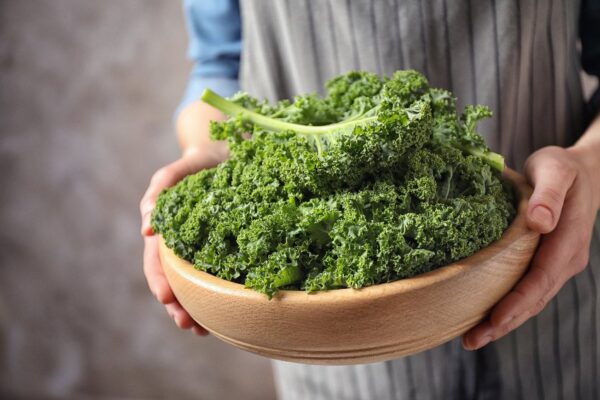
(379, 180)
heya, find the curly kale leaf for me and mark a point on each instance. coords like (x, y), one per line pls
(460, 131)
(379, 180)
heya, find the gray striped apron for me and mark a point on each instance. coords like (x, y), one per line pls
(520, 58)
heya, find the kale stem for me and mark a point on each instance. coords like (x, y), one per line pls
(288, 276)
(272, 124)
(494, 159)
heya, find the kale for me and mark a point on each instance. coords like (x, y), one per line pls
(379, 180)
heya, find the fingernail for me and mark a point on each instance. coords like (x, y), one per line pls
(542, 215)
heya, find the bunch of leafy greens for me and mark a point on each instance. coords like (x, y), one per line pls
(379, 180)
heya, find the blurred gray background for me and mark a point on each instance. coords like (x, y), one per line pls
(87, 92)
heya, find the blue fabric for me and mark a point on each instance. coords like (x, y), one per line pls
(215, 43)
(214, 28)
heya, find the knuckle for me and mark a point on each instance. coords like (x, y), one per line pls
(505, 330)
(552, 164)
(561, 169)
(515, 323)
(520, 292)
(584, 238)
(585, 261)
(541, 158)
(163, 296)
(182, 320)
(178, 321)
(547, 280)
(160, 175)
(581, 263)
(539, 306)
(551, 195)
(145, 204)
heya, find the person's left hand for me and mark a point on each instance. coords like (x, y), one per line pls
(563, 209)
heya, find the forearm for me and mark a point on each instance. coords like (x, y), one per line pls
(193, 131)
(587, 150)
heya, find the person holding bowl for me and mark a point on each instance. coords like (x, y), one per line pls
(521, 59)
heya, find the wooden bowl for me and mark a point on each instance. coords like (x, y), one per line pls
(350, 326)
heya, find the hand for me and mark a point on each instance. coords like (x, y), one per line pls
(192, 161)
(563, 209)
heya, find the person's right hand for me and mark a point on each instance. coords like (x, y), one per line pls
(192, 161)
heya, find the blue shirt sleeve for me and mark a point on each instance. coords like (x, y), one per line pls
(215, 43)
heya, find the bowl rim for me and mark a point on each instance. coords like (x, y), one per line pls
(517, 229)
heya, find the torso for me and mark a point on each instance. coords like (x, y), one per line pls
(518, 57)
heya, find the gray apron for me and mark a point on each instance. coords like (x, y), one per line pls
(518, 57)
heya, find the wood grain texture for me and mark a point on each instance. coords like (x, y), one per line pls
(350, 326)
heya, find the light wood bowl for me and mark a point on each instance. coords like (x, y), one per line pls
(349, 326)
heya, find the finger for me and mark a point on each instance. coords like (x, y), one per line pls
(561, 255)
(163, 178)
(551, 178)
(147, 223)
(182, 319)
(488, 331)
(159, 286)
(533, 289)
(200, 331)
(157, 281)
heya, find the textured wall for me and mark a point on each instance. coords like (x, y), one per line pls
(87, 90)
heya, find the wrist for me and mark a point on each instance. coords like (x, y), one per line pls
(193, 125)
(586, 154)
(193, 132)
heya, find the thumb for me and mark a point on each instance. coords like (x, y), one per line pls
(551, 180)
(163, 178)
